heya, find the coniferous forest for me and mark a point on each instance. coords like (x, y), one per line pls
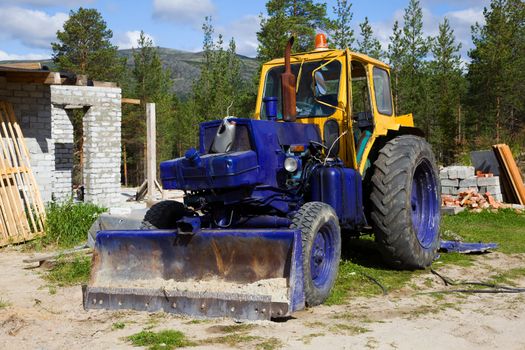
(461, 104)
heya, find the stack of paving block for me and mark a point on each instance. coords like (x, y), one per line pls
(461, 179)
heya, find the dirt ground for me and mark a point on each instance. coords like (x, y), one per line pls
(405, 319)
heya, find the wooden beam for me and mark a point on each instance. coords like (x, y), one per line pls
(152, 149)
(131, 101)
(23, 65)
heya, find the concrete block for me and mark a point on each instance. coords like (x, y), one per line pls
(488, 181)
(450, 183)
(449, 190)
(467, 189)
(451, 210)
(468, 182)
(460, 172)
(494, 189)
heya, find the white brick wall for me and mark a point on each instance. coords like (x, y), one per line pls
(49, 136)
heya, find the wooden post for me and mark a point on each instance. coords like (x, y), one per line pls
(151, 149)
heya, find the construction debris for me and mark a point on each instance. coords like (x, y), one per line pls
(512, 179)
(462, 179)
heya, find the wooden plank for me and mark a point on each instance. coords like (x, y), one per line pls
(151, 149)
(511, 174)
(131, 101)
(39, 204)
(22, 211)
(52, 256)
(508, 191)
(514, 173)
(23, 181)
(23, 65)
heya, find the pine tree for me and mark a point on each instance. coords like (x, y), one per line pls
(84, 47)
(342, 32)
(497, 74)
(369, 45)
(413, 81)
(219, 87)
(300, 18)
(395, 56)
(448, 86)
(151, 83)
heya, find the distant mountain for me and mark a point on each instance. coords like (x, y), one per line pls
(184, 66)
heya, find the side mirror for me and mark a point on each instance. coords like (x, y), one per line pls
(319, 84)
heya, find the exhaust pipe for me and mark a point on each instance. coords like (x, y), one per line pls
(288, 86)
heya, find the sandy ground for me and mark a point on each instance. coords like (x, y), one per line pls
(405, 319)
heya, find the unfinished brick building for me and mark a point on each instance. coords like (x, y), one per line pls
(44, 107)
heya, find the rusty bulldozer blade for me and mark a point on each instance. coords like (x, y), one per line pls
(243, 274)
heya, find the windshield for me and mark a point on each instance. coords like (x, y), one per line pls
(327, 88)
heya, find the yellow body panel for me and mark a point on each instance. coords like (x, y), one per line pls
(383, 124)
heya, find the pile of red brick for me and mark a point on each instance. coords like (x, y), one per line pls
(473, 200)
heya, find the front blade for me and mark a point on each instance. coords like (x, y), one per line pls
(245, 274)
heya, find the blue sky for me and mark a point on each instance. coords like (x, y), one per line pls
(27, 27)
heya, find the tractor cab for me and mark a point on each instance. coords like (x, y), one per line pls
(346, 94)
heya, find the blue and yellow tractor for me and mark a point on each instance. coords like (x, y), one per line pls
(268, 200)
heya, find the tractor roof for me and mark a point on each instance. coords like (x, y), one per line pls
(316, 55)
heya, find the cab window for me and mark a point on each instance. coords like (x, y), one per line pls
(326, 84)
(382, 91)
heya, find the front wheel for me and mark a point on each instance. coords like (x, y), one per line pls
(405, 200)
(321, 238)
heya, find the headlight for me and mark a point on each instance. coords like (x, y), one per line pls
(291, 164)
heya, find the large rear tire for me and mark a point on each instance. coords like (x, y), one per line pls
(405, 202)
(164, 215)
(321, 239)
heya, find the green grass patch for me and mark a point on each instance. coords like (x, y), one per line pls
(118, 325)
(505, 227)
(360, 263)
(234, 328)
(69, 272)
(307, 339)
(163, 340)
(232, 340)
(67, 223)
(361, 260)
(4, 304)
(508, 277)
(348, 329)
(269, 344)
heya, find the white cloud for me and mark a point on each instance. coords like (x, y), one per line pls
(244, 31)
(130, 39)
(183, 11)
(4, 56)
(461, 22)
(46, 3)
(32, 28)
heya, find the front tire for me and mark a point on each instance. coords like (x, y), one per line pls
(321, 240)
(405, 202)
(164, 215)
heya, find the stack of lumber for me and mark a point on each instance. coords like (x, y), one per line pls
(22, 212)
(512, 182)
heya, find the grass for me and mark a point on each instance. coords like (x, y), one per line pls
(361, 260)
(508, 277)
(4, 304)
(69, 273)
(163, 340)
(118, 325)
(67, 223)
(505, 227)
(269, 344)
